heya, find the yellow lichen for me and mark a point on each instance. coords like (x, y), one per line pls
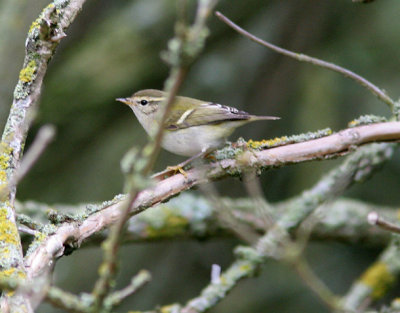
(103, 269)
(5, 151)
(245, 268)
(353, 123)
(34, 25)
(395, 304)
(27, 74)
(13, 273)
(223, 280)
(3, 177)
(266, 143)
(174, 225)
(4, 251)
(40, 236)
(8, 230)
(378, 278)
(396, 300)
(168, 308)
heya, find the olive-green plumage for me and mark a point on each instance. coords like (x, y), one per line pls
(192, 126)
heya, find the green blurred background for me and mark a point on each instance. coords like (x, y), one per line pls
(113, 49)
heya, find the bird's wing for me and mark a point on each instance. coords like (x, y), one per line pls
(205, 113)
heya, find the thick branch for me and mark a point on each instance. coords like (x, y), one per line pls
(321, 148)
(43, 38)
(190, 216)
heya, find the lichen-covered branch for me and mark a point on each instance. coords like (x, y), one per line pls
(84, 303)
(359, 166)
(192, 217)
(189, 41)
(376, 279)
(277, 242)
(319, 148)
(246, 265)
(356, 168)
(43, 38)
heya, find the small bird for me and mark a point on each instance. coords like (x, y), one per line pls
(193, 127)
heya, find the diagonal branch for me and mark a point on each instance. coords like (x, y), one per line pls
(321, 148)
(381, 94)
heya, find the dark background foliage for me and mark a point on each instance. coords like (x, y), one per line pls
(113, 49)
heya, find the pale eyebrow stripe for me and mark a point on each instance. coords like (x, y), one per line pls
(151, 98)
(184, 116)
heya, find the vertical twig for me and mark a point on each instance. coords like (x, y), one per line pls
(179, 61)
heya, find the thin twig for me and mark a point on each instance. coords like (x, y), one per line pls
(66, 300)
(137, 282)
(381, 94)
(303, 269)
(375, 219)
(149, 155)
(178, 76)
(43, 138)
(246, 265)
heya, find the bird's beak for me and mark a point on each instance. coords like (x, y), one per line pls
(124, 100)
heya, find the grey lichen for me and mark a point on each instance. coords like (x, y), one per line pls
(367, 119)
(284, 140)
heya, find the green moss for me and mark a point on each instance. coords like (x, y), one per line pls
(28, 73)
(378, 278)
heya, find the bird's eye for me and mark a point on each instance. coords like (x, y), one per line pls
(143, 102)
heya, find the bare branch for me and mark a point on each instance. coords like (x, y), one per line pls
(137, 282)
(376, 279)
(43, 138)
(375, 219)
(187, 38)
(381, 94)
(245, 266)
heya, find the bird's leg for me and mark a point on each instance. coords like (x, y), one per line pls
(179, 168)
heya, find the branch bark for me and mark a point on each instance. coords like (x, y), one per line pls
(43, 38)
(321, 148)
